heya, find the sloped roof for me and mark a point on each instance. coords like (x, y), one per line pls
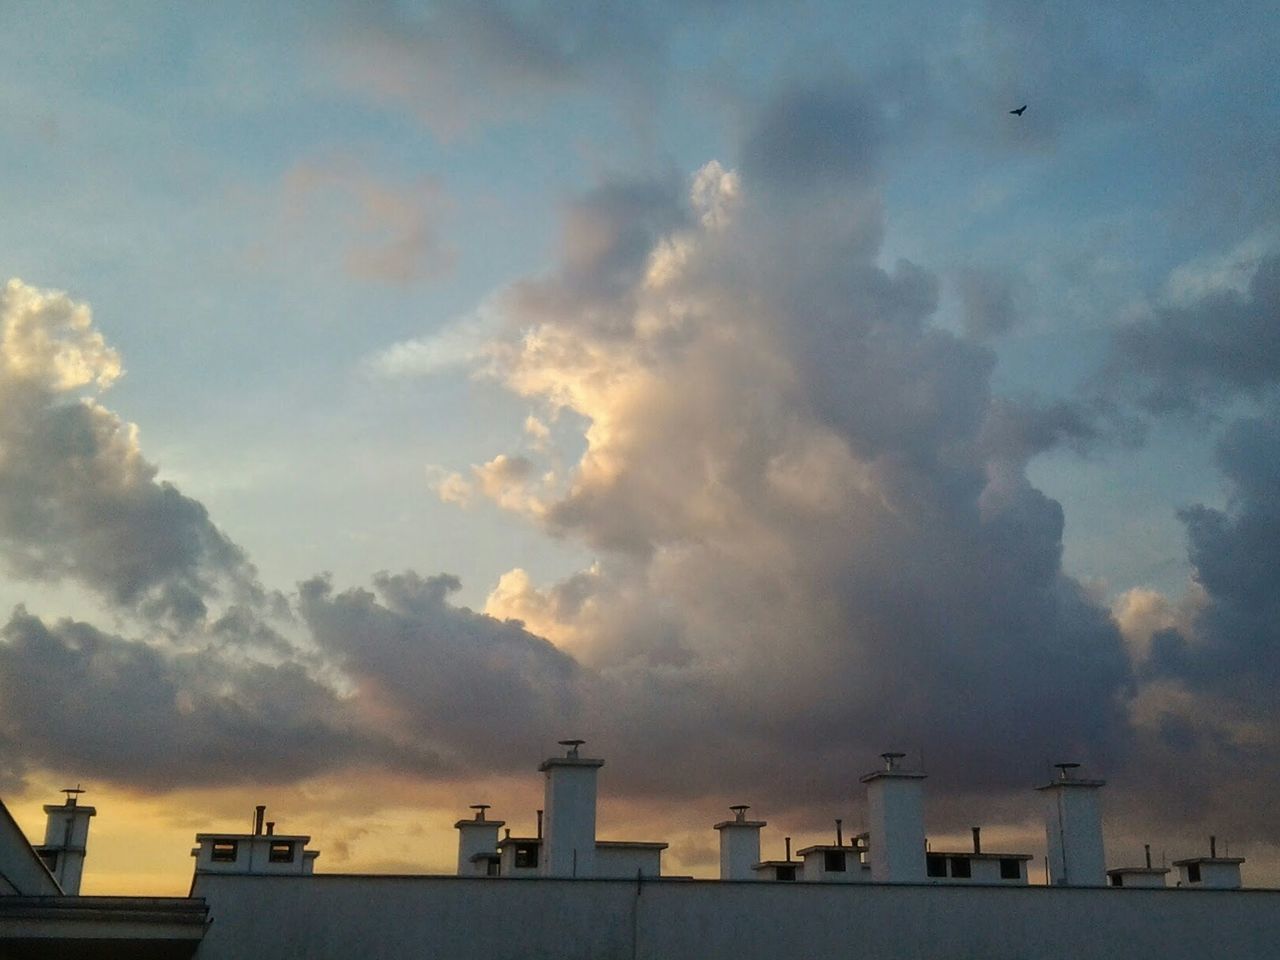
(21, 870)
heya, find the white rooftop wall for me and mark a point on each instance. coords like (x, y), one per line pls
(379, 918)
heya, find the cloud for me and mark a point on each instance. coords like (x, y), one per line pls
(1210, 661)
(483, 693)
(1214, 344)
(77, 498)
(458, 64)
(814, 527)
(809, 136)
(1236, 556)
(81, 701)
(457, 345)
(388, 232)
(987, 299)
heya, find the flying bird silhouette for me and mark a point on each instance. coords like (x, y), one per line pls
(1018, 112)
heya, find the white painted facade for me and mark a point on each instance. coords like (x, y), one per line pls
(261, 853)
(1073, 830)
(380, 918)
(569, 827)
(823, 863)
(478, 844)
(623, 859)
(739, 844)
(66, 838)
(1209, 873)
(895, 815)
(519, 857)
(979, 868)
(1138, 877)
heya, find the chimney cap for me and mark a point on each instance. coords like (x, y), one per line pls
(740, 818)
(1067, 777)
(73, 794)
(572, 746)
(480, 808)
(891, 759)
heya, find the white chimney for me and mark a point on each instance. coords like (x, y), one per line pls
(1073, 829)
(895, 810)
(739, 845)
(66, 833)
(478, 843)
(569, 826)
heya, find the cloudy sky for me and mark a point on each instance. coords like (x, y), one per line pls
(389, 390)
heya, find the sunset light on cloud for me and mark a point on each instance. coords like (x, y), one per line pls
(388, 391)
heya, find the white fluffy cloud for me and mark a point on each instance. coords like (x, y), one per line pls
(78, 499)
(810, 511)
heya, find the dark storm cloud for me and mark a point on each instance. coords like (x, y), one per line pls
(77, 498)
(1016, 429)
(1236, 556)
(987, 299)
(1188, 357)
(76, 699)
(483, 692)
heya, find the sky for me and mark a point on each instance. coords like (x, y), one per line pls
(390, 390)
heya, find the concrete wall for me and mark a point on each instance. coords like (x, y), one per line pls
(1073, 831)
(739, 849)
(895, 819)
(253, 853)
(624, 862)
(459, 918)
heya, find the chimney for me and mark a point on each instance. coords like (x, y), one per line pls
(539, 833)
(895, 810)
(1073, 829)
(477, 842)
(1146, 849)
(66, 834)
(271, 828)
(788, 843)
(258, 813)
(569, 843)
(977, 839)
(739, 844)
(839, 833)
(1213, 847)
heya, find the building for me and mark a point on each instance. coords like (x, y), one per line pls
(42, 915)
(882, 894)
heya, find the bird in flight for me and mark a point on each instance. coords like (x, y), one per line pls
(1018, 112)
